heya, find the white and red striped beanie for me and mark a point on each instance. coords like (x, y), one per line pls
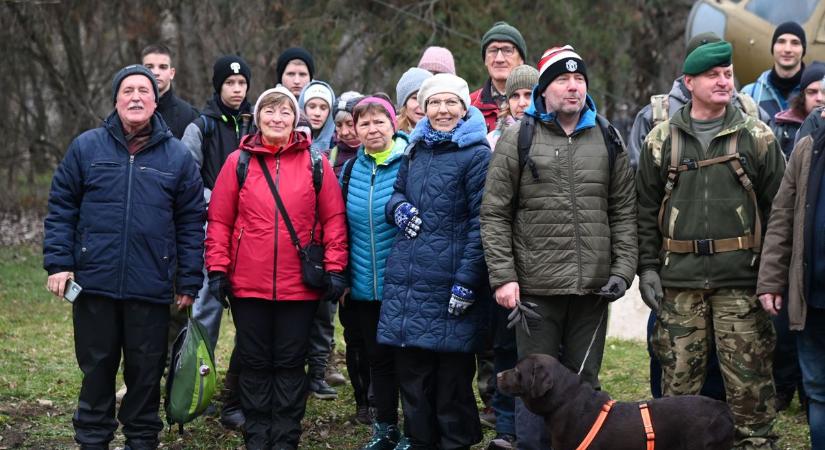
(559, 60)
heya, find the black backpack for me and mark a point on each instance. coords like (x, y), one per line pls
(527, 127)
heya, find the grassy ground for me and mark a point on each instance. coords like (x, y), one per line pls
(39, 378)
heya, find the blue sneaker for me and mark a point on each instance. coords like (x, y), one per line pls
(384, 437)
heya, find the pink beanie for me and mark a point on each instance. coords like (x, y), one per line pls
(437, 60)
(380, 101)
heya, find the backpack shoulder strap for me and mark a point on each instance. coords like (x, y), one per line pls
(527, 128)
(206, 125)
(672, 174)
(612, 139)
(317, 170)
(243, 167)
(748, 105)
(346, 177)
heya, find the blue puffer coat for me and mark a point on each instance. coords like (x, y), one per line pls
(445, 182)
(370, 236)
(129, 226)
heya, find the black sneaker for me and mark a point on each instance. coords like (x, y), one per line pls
(362, 416)
(502, 441)
(320, 389)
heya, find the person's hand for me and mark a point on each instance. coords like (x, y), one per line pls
(771, 302)
(56, 283)
(184, 301)
(336, 286)
(220, 288)
(407, 219)
(614, 289)
(650, 286)
(507, 295)
(461, 298)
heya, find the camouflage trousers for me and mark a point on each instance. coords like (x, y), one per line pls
(745, 341)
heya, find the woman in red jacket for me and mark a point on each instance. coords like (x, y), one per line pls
(252, 261)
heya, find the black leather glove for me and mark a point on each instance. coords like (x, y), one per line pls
(650, 286)
(220, 288)
(336, 285)
(614, 289)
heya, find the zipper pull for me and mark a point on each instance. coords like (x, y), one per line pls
(557, 153)
(569, 139)
(131, 159)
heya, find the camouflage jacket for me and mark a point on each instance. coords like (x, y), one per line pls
(707, 203)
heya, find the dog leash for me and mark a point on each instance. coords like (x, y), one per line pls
(592, 340)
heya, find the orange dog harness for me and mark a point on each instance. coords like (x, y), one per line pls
(644, 410)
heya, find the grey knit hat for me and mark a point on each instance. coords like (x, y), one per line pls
(134, 69)
(521, 77)
(409, 83)
(503, 31)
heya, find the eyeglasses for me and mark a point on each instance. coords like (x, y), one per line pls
(436, 104)
(506, 50)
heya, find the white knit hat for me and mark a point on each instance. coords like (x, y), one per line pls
(317, 90)
(281, 90)
(444, 83)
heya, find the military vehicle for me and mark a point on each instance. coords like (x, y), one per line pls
(749, 26)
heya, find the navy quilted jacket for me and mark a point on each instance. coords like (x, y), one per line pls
(445, 182)
(370, 236)
(129, 226)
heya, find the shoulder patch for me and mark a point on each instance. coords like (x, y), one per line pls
(656, 139)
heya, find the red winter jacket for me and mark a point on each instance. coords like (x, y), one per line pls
(482, 100)
(246, 236)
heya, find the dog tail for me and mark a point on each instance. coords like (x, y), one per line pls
(720, 429)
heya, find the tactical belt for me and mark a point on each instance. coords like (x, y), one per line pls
(706, 247)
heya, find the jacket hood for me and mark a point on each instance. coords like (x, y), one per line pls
(324, 139)
(473, 131)
(160, 131)
(789, 116)
(587, 119)
(679, 91)
(253, 144)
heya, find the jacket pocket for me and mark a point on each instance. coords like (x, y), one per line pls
(237, 251)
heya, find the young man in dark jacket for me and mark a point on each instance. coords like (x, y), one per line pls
(210, 139)
(175, 112)
(125, 222)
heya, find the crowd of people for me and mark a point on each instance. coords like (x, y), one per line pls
(428, 222)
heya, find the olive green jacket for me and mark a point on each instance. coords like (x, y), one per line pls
(572, 228)
(707, 203)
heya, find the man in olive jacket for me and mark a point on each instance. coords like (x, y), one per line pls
(705, 184)
(560, 231)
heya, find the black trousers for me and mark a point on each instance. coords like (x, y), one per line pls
(103, 328)
(381, 360)
(357, 362)
(437, 397)
(271, 345)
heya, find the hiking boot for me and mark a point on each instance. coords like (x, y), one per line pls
(320, 389)
(403, 444)
(362, 416)
(487, 417)
(502, 441)
(232, 416)
(333, 376)
(384, 437)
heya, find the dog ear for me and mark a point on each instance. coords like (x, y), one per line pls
(541, 379)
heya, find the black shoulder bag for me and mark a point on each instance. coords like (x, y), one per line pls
(312, 255)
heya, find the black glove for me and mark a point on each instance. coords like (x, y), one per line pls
(614, 289)
(220, 288)
(520, 314)
(650, 286)
(336, 284)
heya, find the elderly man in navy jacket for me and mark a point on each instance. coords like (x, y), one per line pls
(125, 222)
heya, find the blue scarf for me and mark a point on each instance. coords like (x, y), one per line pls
(432, 136)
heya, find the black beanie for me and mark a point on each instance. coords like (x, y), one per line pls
(790, 28)
(813, 72)
(134, 69)
(227, 66)
(290, 54)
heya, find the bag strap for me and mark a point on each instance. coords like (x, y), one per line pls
(527, 128)
(274, 189)
(243, 167)
(346, 177)
(672, 174)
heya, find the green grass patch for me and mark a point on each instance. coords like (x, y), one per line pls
(39, 378)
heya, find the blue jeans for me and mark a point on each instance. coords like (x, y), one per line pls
(811, 348)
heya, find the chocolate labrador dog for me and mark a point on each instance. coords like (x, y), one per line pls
(570, 407)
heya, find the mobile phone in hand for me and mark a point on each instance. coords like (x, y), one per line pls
(71, 291)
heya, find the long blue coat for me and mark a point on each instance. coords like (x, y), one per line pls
(445, 182)
(370, 236)
(129, 226)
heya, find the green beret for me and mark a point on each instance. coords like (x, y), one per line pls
(708, 56)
